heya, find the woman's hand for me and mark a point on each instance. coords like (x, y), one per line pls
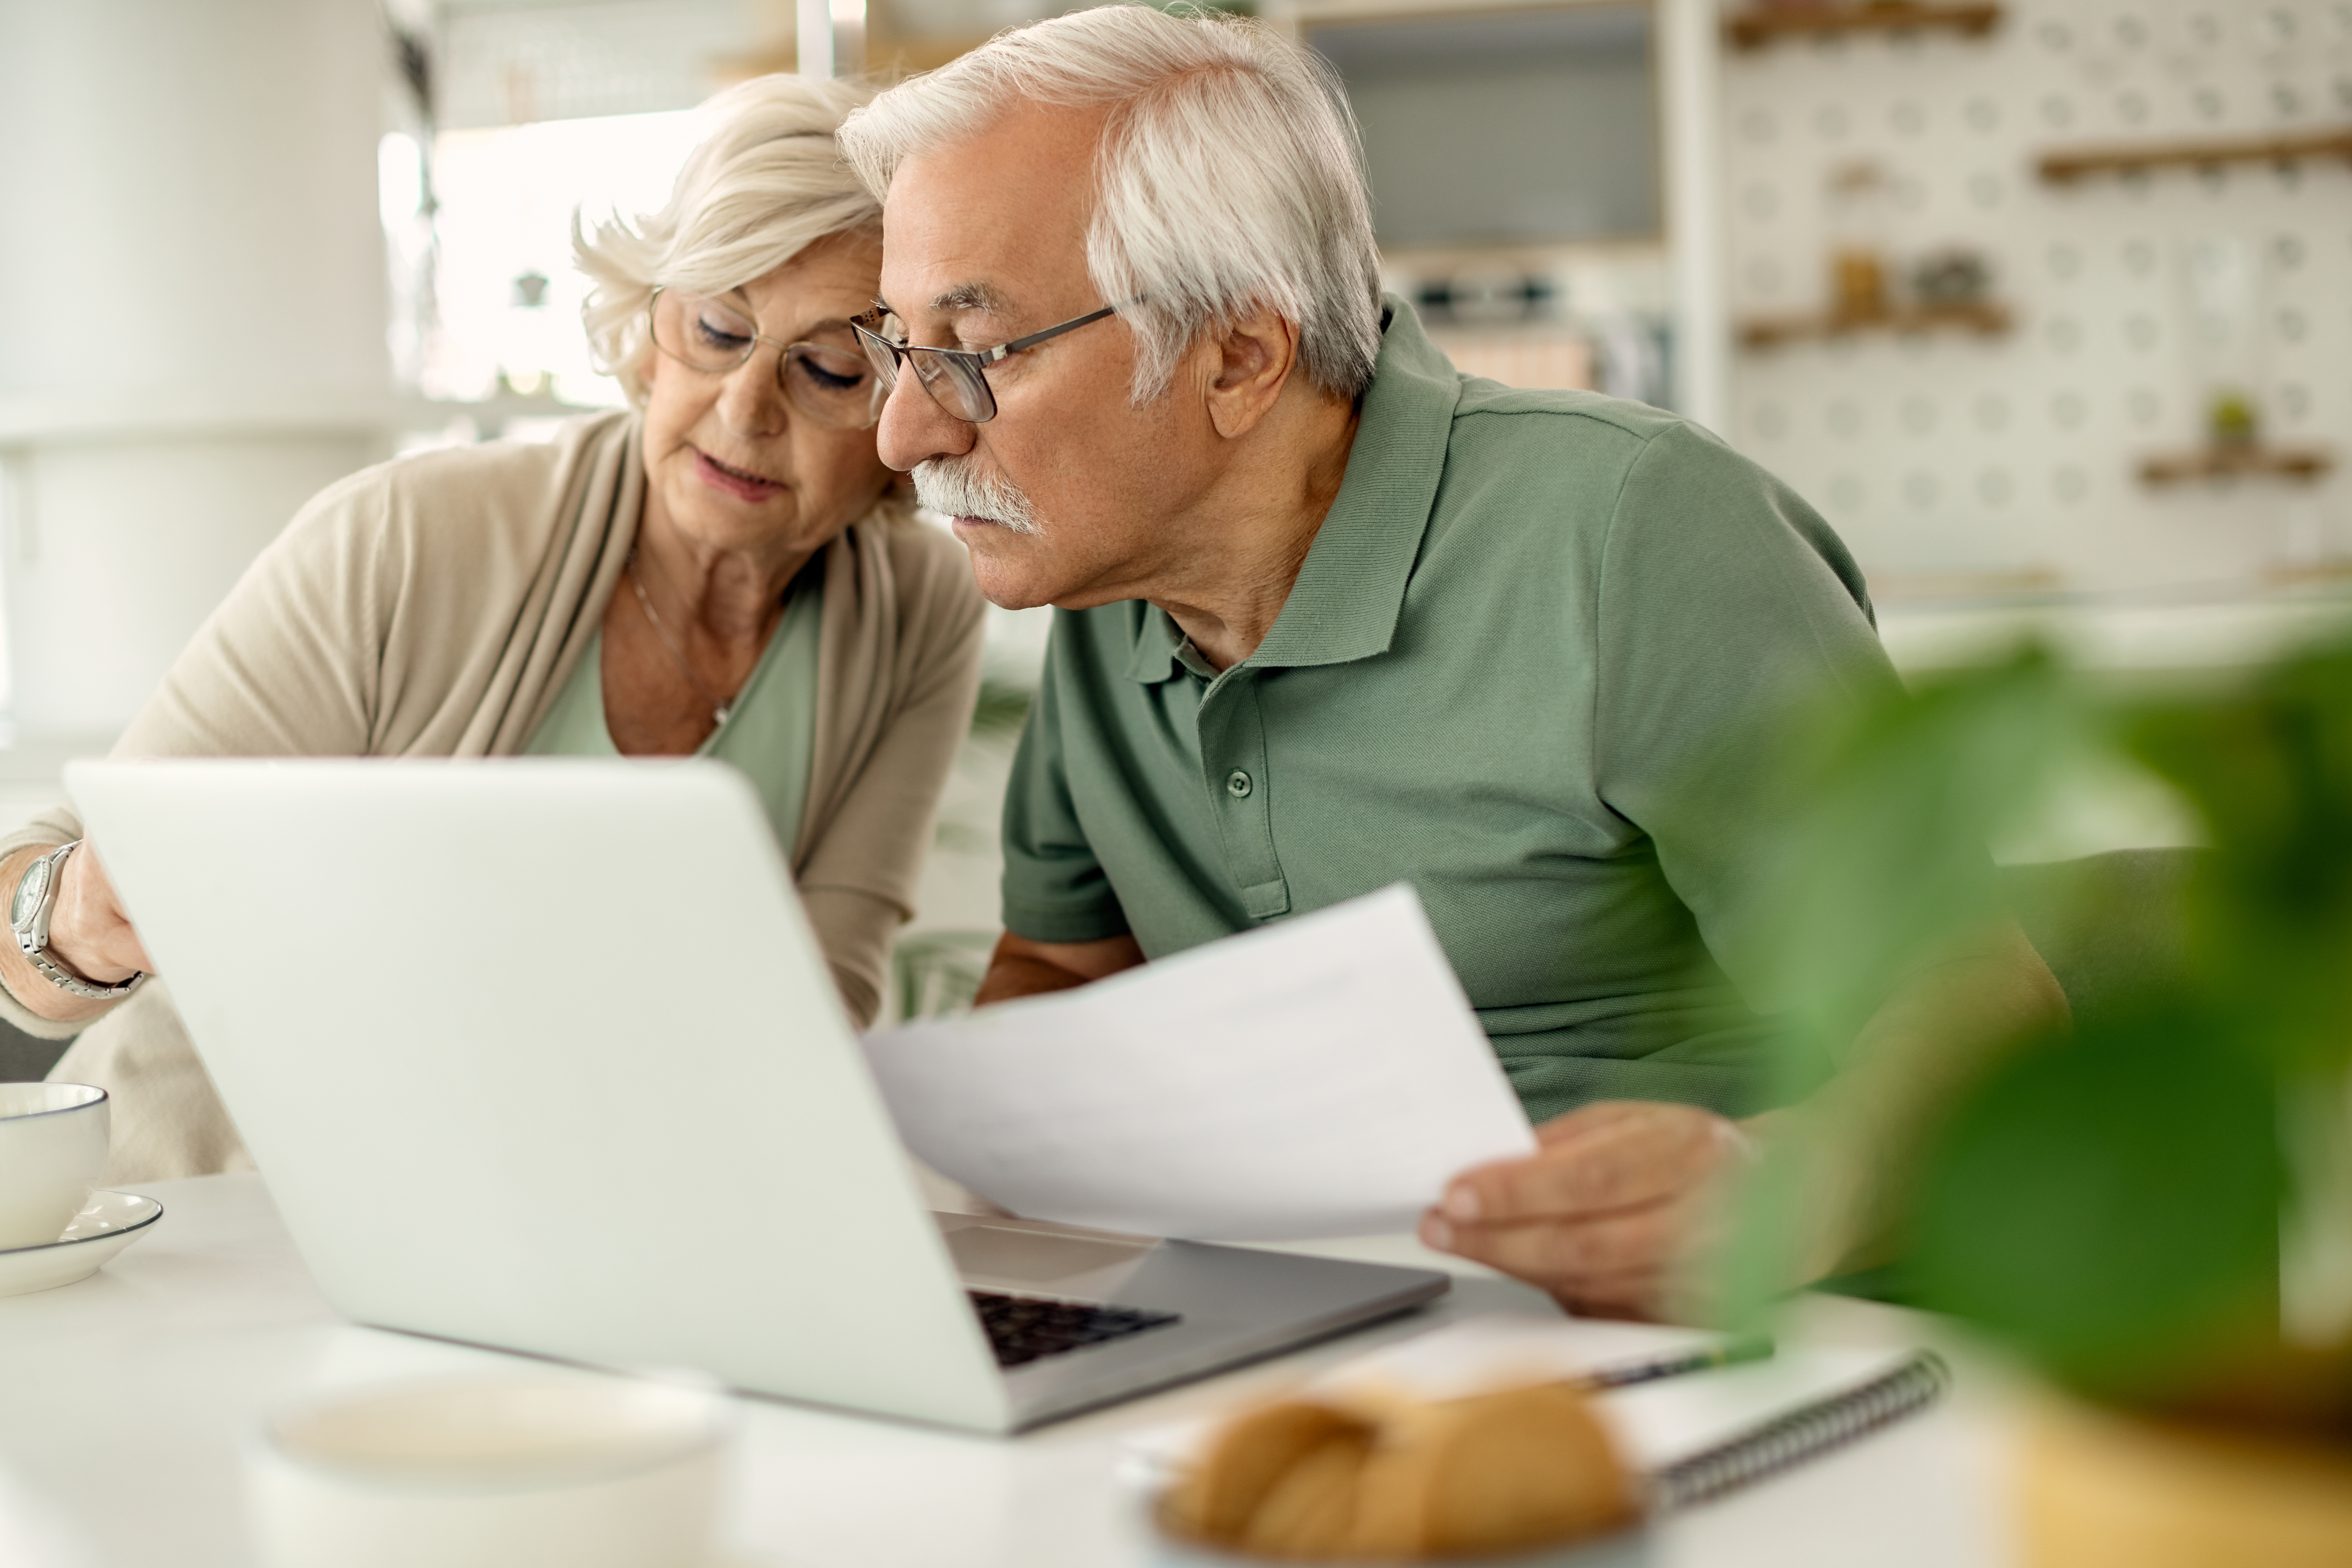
(88, 931)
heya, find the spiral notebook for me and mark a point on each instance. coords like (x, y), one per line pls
(1780, 1417)
(1695, 1436)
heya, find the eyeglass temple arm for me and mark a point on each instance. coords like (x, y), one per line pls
(990, 356)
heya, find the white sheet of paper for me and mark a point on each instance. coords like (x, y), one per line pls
(1323, 1077)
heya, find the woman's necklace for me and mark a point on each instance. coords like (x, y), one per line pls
(719, 708)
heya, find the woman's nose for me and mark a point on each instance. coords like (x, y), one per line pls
(751, 398)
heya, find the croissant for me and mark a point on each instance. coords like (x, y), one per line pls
(1372, 1479)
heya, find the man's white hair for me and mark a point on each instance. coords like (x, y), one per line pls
(1230, 176)
(763, 184)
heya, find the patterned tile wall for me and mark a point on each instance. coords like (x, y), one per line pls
(1959, 466)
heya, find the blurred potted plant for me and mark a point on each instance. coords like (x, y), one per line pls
(2154, 1210)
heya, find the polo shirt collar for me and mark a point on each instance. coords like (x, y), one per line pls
(1155, 646)
(1350, 589)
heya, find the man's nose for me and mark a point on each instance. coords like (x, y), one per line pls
(915, 429)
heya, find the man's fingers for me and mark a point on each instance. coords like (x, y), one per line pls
(1552, 1252)
(1647, 1292)
(1625, 1266)
(1605, 1214)
(1618, 1162)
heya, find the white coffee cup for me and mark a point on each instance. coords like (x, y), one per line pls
(584, 1470)
(52, 1153)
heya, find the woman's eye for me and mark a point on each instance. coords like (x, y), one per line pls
(830, 372)
(720, 333)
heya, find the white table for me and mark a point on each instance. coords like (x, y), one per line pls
(125, 1401)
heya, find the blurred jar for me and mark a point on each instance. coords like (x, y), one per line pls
(1861, 227)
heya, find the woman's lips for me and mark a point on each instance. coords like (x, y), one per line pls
(734, 482)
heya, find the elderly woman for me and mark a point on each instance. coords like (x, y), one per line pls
(726, 570)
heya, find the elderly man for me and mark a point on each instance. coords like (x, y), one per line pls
(1330, 616)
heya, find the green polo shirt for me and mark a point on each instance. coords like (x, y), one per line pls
(1528, 666)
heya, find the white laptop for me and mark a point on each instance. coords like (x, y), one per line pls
(542, 1054)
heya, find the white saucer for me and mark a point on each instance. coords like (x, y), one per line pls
(109, 1223)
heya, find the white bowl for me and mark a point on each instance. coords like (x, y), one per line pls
(584, 1470)
(52, 1153)
(107, 1224)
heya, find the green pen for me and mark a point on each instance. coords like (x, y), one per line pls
(1624, 1374)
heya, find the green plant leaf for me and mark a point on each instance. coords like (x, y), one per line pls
(2112, 1203)
(1891, 804)
(1894, 804)
(2270, 769)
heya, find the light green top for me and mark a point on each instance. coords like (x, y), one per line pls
(1523, 668)
(769, 733)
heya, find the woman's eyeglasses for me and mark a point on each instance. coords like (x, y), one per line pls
(951, 376)
(832, 383)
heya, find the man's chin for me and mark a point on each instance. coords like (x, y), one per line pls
(1007, 593)
(1003, 566)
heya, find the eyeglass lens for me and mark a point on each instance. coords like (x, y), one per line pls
(834, 384)
(952, 379)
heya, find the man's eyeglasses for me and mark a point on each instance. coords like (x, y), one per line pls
(832, 383)
(951, 376)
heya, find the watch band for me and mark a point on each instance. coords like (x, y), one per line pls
(32, 932)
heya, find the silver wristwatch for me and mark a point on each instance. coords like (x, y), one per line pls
(28, 917)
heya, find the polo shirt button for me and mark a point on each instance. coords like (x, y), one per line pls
(1237, 784)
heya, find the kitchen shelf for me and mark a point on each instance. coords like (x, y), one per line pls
(1984, 318)
(1756, 29)
(2302, 464)
(2065, 168)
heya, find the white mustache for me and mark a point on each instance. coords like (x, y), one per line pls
(952, 487)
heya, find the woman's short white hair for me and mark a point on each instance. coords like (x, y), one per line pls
(1230, 176)
(763, 184)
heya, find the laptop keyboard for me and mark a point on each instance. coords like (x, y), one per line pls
(1024, 1328)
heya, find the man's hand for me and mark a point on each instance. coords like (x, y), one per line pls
(88, 930)
(1606, 1213)
(1624, 1196)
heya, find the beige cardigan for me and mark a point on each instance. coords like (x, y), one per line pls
(433, 607)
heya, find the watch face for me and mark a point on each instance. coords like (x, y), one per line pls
(29, 890)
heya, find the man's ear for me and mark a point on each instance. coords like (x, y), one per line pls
(1251, 362)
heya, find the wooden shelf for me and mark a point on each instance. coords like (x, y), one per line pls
(1985, 318)
(1756, 29)
(2302, 464)
(2065, 168)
